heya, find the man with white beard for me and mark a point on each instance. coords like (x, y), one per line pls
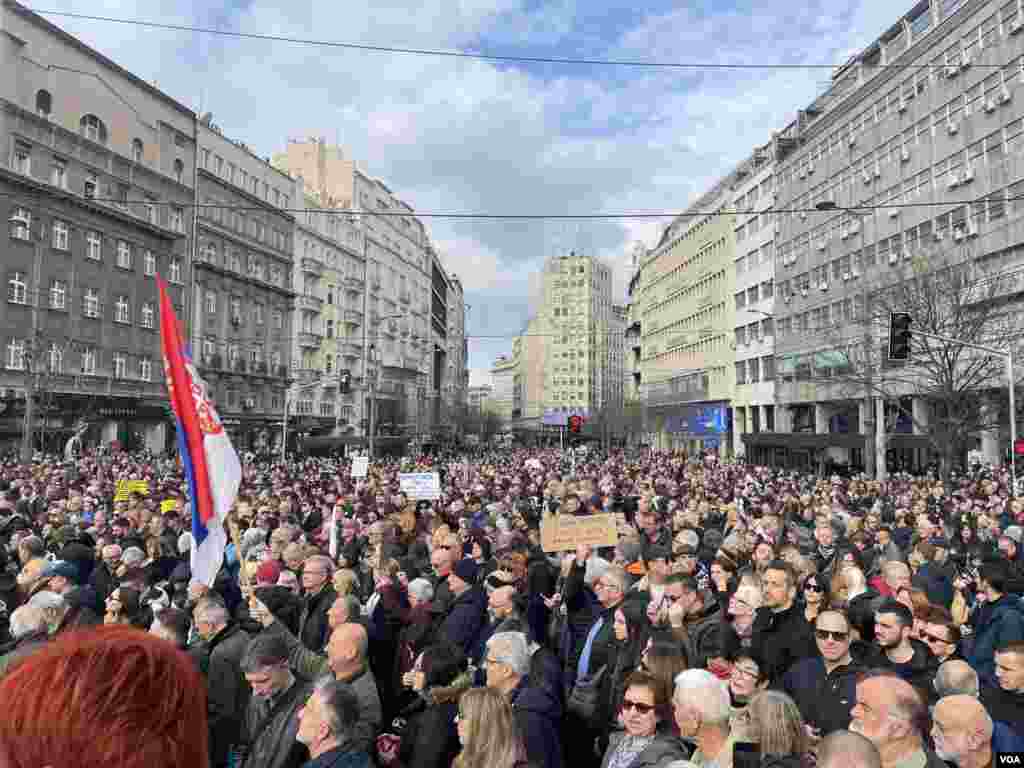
(891, 714)
(962, 732)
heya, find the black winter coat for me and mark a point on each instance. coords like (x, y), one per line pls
(825, 700)
(782, 639)
(465, 620)
(431, 738)
(919, 671)
(228, 693)
(314, 629)
(538, 715)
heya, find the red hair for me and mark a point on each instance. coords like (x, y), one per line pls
(102, 697)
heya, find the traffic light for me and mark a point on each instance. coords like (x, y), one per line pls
(344, 384)
(899, 336)
(575, 423)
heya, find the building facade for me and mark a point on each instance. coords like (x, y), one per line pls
(686, 298)
(503, 386)
(242, 286)
(753, 404)
(478, 399)
(927, 118)
(96, 182)
(614, 394)
(412, 322)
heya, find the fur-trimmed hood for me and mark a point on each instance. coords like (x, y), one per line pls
(442, 694)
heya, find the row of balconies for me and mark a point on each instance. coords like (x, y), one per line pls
(216, 362)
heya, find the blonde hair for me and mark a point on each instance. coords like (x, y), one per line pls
(491, 737)
(777, 725)
(345, 581)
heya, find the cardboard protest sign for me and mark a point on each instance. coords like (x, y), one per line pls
(125, 488)
(559, 533)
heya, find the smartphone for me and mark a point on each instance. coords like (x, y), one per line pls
(746, 755)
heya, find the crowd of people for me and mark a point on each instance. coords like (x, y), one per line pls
(747, 617)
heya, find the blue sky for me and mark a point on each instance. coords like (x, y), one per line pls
(460, 135)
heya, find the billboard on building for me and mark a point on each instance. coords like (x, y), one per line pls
(699, 420)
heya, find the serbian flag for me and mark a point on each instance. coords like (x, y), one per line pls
(211, 466)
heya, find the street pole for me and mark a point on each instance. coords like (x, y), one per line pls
(284, 428)
(372, 444)
(30, 387)
(1013, 423)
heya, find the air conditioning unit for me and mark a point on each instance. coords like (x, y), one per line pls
(902, 106)
(878, 171)
(1003, 97)
(1015, 26)
(803, 293)
(803, 215)
(894, 212)
(854, 274)
(952, 128)
(867, 177)
(846, 276)
(854, 227)
(989, 106)
(968, 175)
(802, 174)
(958, 235)
(904, 155)
(952, 70)
(894, 257)
(953, 181)
(823, 287)
(965, 60)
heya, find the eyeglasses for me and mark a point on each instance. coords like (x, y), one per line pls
(827, 634)
(812, 588)
(752, 674)
(638, 706)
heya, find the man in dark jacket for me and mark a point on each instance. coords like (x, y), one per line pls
(824, 687)
(219, 654)
(1005, 703)
(536, 709)
(314, 627)
(896, 651)
(997, 621)
(781, 635)
(271, 719)
(465, 619)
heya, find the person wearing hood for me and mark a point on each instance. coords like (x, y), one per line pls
(465, 619)
(438, 678)
(536, 708)
(897, 652)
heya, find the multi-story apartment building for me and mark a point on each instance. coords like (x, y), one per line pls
(503, 386)
(412, 325)
(329, 275)
(685, 294)
(614, 393)
(478, 399)
(753, 402)
(928, 116)
(242, 286)
(96, 187)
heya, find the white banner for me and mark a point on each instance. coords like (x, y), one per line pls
(360, 465)
(420, 485)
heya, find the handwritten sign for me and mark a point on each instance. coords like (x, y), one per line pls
(420, 485)
(559, 533)
(125, 488)
(360, 465)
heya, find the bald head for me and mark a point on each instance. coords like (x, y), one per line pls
(843, 749)
(346, 650)
(962, 731)
(956, 677)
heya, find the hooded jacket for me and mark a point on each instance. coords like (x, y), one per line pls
(538, 715)
(431, 739)
(995, 624)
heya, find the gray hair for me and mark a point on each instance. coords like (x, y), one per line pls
(185, 543)
(955, 677)
(212, 608)
(421, 589)
(845, 749)
(253, 537)
(47, 601)
(27, 619)
(705, 693)
(133, 556)
(340, 707)
(512, 649)
(33, 545)
(325, 560)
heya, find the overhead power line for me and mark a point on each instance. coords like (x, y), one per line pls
(479, 55)
(483, 216)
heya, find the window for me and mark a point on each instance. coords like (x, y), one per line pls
(236, 261)
(278, 320)
(136, 150)
(177, 219)
(257, 314)
(122, 195)
(90, 185)
(58, 294)
(21, 224)
(174, 271)
(60, 235)
(148, 315)
(275, 275)
(55, 358)
(329, 364)
(17, 288)
(91, 303)
(59, 173)
(122, 310)
(149, 210)
(94, 129)
(236, 310)
(211, 302)
(330, 329)
(146, 369)
(179, 170)
(89, 361)
(22, 160)
(120, 365)
(44, 103)
(16, 354)
(124, 255)
(149, 263)
(93, 245)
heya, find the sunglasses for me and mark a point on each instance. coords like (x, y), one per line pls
(825, 634)
(812, 588)
(638, 706)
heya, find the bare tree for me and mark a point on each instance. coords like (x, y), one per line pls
(963, 389)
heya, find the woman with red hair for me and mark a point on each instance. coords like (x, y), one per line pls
(109, 697)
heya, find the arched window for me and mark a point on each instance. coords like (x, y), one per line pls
(179, 170)
(94, 129)
(44, 103)
(137, 150)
